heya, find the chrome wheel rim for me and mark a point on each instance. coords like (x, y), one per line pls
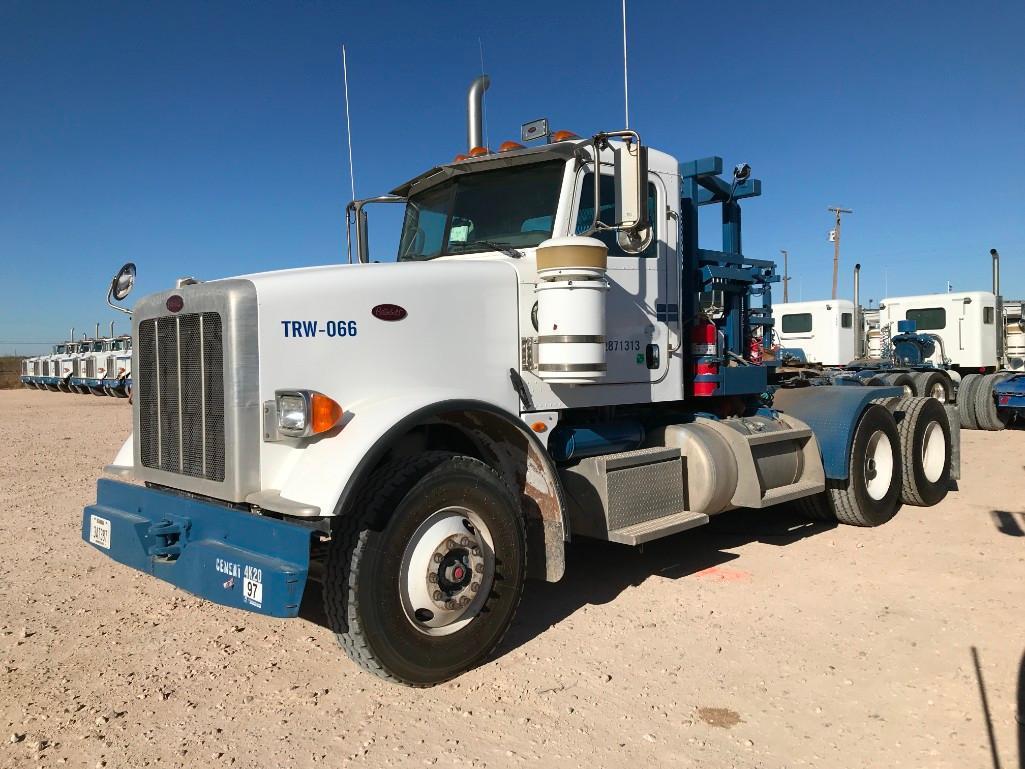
(938, 391)
(447, 571)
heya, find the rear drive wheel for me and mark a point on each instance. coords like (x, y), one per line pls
(870, 495)
(933, 384)
(425, 586)
(925, 447)
(902, 380)
(988, 416)
(966, 401)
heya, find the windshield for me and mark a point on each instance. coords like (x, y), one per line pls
(58, 350)
(116, 345)
(483, 211)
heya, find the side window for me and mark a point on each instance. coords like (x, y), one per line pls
(425, 221)
(988, 314)
(585, 215)
(798, 323)
(928, 318)
(846, 320)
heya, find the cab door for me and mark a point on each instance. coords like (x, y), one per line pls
(636, 334)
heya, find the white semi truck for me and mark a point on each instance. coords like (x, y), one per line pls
(955, 345)
(550, 356)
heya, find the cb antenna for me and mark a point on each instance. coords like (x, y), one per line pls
(626, 80)
(348, 125)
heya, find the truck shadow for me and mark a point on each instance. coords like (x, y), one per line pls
(597, 572)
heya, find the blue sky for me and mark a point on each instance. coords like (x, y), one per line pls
(208, 139)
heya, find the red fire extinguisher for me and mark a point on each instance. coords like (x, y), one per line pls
(704, 345)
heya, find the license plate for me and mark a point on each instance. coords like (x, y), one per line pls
(99, 531)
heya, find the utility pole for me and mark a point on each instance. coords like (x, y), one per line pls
(835, 237)
(786, 275)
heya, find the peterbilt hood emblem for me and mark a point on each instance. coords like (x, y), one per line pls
(389, 312)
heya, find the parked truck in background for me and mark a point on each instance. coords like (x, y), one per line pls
(955, 347)
(551, 355)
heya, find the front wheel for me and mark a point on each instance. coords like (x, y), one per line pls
(424, 587)
(871, 493)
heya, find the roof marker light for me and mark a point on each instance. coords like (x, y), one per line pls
(510, 146)
(478, 152)
(561, 136)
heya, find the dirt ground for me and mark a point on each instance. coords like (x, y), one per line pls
(757, 641)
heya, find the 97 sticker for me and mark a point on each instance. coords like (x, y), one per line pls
(252, 586)
(99, 531)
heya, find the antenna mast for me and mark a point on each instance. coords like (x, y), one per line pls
(348, 126)
(626, 81)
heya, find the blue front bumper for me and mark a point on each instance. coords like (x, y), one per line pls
(83, 382)
(227, 556)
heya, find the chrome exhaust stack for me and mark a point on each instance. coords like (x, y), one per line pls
(859, 331)
(999, 308)
(475, 112)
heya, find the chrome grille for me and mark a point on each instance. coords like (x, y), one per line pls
(90, 367)
(76, 367)
(111, 370)
(180, 387)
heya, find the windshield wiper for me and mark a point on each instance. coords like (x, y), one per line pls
(505, 248)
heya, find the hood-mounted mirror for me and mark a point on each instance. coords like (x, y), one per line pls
(121, 286)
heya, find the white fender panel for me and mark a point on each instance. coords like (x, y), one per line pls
(315, 472)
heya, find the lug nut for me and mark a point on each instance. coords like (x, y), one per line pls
(437, 557)
(463, 601)
(450, 605)
(436, 595)
(432, 578)
(475, 551)
(450, 545)
(479, 568)
(475, 586)
(465, 541)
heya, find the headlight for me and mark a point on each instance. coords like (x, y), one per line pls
(292, 413)
(302, 413)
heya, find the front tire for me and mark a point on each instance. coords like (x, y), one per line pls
(426, 584)
(870, 495)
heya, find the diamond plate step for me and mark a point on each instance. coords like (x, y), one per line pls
(639, 533)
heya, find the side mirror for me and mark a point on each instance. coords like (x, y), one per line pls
(631, 175)
(121, 286)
